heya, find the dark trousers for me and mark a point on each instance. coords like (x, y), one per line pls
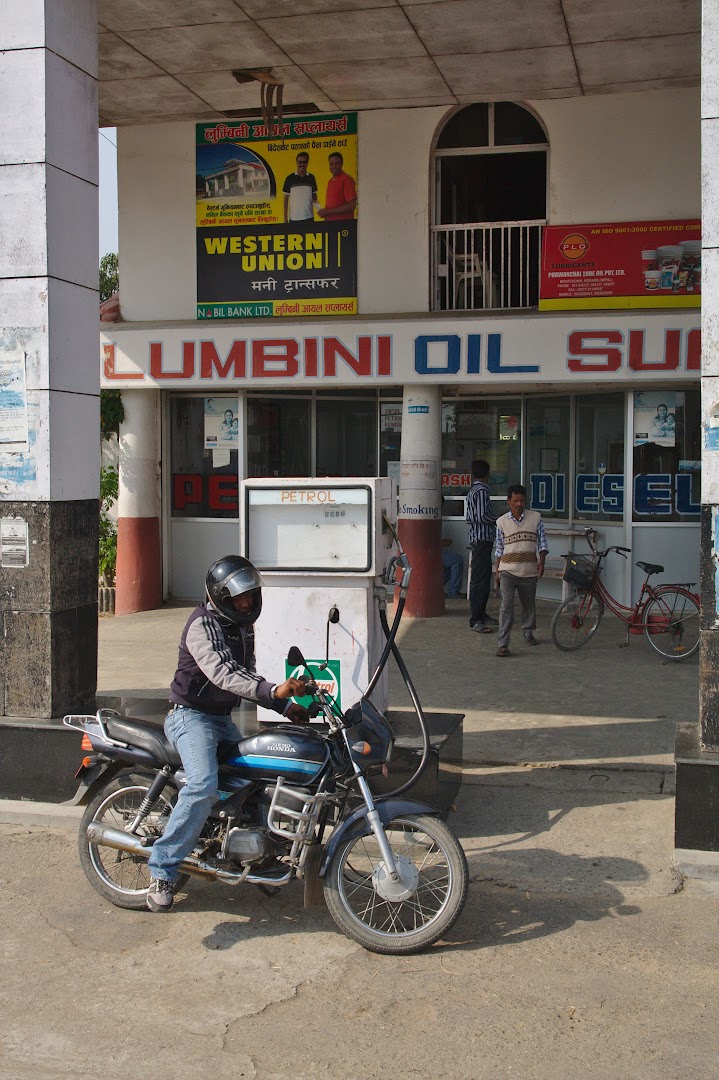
(480, 579)
(526, 590)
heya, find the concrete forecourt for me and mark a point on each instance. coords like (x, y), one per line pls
(580, 951)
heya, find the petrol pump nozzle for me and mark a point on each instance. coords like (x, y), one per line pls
(398, 562)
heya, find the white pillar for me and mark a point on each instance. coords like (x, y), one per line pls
(696, 827)
(709, 683)
(420, 498)
(138, 579)
(49, 369)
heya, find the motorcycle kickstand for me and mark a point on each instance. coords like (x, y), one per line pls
(269, 890)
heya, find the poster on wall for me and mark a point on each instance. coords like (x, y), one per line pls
(13, 400)
(645, 264)
(222, 425)
(276, 218)
(654, 417)
(14, 544)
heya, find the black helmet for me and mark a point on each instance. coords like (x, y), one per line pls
(229, 577)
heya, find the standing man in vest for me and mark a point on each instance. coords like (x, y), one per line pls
(482, 533)
(521, 551)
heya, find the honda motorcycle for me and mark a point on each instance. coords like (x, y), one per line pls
(294, 802)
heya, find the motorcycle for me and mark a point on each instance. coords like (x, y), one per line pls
(294, 803)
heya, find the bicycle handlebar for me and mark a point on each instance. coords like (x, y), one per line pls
(590, 533)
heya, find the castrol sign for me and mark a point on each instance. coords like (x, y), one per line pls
(327, 678)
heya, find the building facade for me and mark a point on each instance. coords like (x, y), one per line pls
(456, 209)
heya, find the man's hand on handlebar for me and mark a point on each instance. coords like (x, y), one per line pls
(297, 714)
(291, 688)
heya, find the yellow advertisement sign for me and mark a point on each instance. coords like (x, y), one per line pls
(276, 218)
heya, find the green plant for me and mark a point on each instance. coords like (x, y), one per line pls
(112, 413)
(109, 489)
(109, 276)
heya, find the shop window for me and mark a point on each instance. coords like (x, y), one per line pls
(481, 429)
(548, 464)
(346, 437)
(667, 455)
(204, 439)
(278, 436)
(599, 480)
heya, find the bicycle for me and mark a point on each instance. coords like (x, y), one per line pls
(667, 614)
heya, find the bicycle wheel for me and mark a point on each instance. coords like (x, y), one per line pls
(574, 622)
(671, 623)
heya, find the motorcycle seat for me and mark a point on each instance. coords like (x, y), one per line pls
(650, 567)
(145, 736)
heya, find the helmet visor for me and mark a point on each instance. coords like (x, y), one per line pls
(242, 581)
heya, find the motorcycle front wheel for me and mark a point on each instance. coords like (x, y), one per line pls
(412, 913)
(118, 876)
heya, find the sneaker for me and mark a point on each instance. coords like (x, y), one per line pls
(161, 894)
(481, 628)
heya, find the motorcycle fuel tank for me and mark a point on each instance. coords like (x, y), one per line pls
(295, 754)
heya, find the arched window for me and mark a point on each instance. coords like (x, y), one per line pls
(490, 198)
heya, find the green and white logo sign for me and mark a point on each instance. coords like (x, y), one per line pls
(328, 678)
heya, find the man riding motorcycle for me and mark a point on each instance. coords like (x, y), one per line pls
(215, 670)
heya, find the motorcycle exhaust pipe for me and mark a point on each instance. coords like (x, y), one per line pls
(106, 836)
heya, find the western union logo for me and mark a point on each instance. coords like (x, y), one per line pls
(294, 251)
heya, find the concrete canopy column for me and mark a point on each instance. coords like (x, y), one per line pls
(696, 834)
(420, 498)
(49, 370)
(138, 579)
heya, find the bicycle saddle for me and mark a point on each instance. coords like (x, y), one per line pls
(650, 567)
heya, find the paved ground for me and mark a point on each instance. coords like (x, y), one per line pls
(603, 704)
(579, 953)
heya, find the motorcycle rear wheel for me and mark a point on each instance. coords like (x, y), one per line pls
(432, 859)
(118, 876)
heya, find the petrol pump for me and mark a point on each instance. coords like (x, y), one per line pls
(322, 546)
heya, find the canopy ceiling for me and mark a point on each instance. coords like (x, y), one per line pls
(173, 59)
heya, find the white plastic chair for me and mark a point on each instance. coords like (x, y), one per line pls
(468, 270)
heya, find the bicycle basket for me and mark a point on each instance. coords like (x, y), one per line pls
(579, 571)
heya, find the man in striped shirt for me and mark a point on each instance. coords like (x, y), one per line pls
(482, 533)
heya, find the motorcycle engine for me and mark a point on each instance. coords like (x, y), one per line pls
(245, 845)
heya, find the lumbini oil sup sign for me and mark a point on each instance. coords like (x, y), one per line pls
(276, 218)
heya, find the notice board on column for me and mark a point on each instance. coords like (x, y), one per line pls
(627, 264)
(276, 218)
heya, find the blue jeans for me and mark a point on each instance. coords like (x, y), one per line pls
(453, 568)
(196, 736)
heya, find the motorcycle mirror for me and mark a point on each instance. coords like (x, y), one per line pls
(295, 657)
(333, 616)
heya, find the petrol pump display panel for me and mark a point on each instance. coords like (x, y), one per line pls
(310, 528)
